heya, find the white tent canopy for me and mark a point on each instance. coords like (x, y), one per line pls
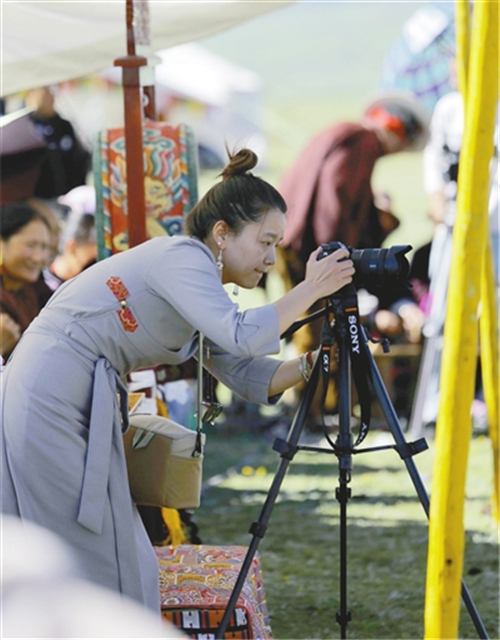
(228, 98)
(46, 42)
(195, 72)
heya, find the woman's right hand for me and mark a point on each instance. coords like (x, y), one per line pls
(10, 332)
(331, 273)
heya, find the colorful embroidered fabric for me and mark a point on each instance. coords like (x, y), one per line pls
(170, 183)
(121, 293)
(196, 582)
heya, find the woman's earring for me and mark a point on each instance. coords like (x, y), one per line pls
(220, 263)
(236, 290)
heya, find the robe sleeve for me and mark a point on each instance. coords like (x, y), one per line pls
(248, 377)
(186, 277)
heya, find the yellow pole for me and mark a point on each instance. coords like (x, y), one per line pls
(462, 37)
(453, 430)
(488, 327)
(489, 316)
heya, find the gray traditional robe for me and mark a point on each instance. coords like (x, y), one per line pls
(63, 463)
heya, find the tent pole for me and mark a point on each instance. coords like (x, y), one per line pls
(132, 93)
(142, 43)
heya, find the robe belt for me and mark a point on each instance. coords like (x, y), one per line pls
(105, 430)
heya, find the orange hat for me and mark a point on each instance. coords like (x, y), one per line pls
(400, 113)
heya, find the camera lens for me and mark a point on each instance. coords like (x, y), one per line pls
(381, 267)
(375, 268)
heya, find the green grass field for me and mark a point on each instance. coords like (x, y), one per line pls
(386, 528)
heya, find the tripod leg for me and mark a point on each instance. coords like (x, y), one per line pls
(344, 454)
(258, 529)
(343, 494)
(395, 427)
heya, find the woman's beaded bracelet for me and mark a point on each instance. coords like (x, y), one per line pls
(305, 365)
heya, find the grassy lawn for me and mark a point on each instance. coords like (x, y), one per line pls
(387, 535)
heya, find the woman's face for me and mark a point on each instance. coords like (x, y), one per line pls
(250, 254)
(26, 253)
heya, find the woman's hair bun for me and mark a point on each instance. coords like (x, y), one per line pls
(240, 163)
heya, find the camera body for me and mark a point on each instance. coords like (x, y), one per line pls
(375, 268)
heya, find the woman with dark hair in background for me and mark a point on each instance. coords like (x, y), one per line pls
(63, 459)
(24, 252)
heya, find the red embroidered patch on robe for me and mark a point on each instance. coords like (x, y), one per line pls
(125, 314)
(118, 288)
(127, 319)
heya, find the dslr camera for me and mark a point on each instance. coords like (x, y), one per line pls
(375, 268)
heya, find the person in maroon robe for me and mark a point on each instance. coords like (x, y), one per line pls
(329, 194)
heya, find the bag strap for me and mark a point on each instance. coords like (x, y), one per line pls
(207, 412)
(199, 413)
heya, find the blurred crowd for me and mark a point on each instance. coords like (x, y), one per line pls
(48, 230)
(48, 213)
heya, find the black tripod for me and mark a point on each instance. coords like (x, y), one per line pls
(354, 358)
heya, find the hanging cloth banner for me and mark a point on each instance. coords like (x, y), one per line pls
(170, 183)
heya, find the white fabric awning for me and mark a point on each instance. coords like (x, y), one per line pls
(46, 42)
(195, 72)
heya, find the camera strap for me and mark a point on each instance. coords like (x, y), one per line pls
(348, 304)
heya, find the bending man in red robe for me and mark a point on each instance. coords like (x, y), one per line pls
(329, 194)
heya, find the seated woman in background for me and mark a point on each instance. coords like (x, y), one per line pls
(24, 252)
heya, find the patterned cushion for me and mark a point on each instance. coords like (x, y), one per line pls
(196, 582)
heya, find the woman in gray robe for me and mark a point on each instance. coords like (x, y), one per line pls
(64, 402)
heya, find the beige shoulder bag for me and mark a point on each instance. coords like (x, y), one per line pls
(164, 462)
